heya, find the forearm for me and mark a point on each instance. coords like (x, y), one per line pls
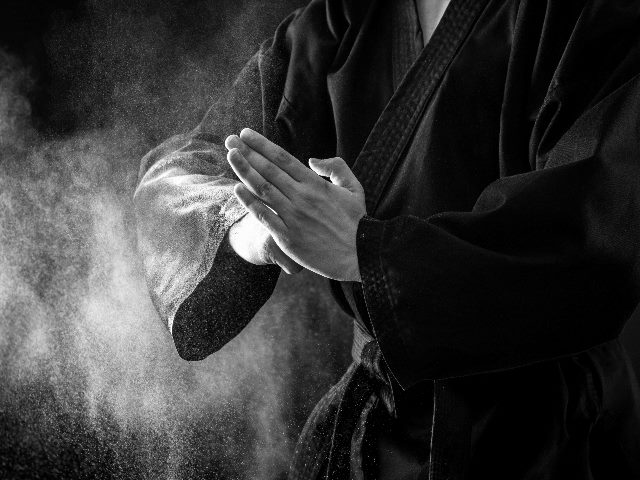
(222, 304)
(185, 204)
(184, 200)
(539, 269)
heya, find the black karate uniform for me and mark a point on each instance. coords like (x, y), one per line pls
(500, 257)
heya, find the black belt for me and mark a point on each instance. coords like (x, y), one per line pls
(369, 383)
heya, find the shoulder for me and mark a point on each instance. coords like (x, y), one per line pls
(311, 38)
(329, 19)
(601, 50)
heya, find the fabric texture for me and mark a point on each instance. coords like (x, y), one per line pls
(499, 255)
(332, 442)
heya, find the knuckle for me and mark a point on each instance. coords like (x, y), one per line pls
(264, 190)
(271, 170)
(294, 209)
(305, 194)
(281, 157)
(261, 215)
(305, 205)
(240, 166)
(295, 214)
(287, 242)
(244, 170)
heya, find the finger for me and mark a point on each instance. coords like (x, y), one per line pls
(232, 141)
(338, 172)
(260, 187)
(275, 154)
(269, 170)
(281, 259)
(264, 214)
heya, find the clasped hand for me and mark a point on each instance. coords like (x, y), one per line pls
(311, 220)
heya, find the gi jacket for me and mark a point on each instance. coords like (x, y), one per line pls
(500, 257)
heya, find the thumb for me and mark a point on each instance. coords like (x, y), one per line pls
(338, 172)
(277, 257)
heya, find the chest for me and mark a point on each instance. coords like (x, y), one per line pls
(426, 130)
(454, 136)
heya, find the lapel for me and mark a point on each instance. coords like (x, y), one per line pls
(396, 125)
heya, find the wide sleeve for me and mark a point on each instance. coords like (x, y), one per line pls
(184, 200)
(546, 264)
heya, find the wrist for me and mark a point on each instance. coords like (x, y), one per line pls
(350, 267)
(355, 263)
(354, 272)
(241, 241)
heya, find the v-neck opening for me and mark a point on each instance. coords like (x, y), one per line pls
(439, 13)
(396, 125)
(407, 38)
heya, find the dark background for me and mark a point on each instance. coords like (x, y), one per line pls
(92, 387)
(91, 384)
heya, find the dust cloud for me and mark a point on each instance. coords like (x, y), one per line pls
(92, 386)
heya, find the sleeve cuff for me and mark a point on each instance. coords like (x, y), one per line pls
(379, 299)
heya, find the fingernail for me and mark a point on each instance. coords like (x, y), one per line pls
(231, 141)
(245, 131)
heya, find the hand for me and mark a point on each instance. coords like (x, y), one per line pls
(313, 221)
(253, 242)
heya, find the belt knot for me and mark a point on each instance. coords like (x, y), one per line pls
(366, 352)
